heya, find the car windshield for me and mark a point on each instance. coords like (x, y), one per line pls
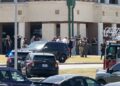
(21, 55)
(39, 57)
(36, 45)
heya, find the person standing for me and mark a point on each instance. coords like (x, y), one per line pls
(8, 44)
(80, 44)
(70, 45)
(85, 47)
(103, 50)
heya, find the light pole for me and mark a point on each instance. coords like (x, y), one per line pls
(71, 5)
(15, 31)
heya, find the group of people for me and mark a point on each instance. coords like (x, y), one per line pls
(8, 43)
(77, 44)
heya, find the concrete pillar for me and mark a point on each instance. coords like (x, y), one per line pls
(64, 30)
(83, 30)
(100, 36)
(107, 1)
(75, 29)
(99, 1)
(114, 26)
(119, 2)
(0, 38)
(48, 31)
(21, 31)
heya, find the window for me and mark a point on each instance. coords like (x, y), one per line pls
(4, 75)
(102, 1)
(113, 1)
(57, 30)
(116, 68)
(92, 82)
(57, 11)
(17, 77)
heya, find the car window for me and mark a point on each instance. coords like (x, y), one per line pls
(92, 82)
(41, 57)
(78, 81)
(116, 68)
(4, 75)
(51, 46)
(16, 76)
(28, 57)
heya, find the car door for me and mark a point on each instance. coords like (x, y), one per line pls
(18, 79)
(114, 73)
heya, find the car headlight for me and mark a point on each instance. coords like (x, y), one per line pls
(32, 84)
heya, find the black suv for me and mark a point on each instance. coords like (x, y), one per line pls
(40, 64)
(59, 49)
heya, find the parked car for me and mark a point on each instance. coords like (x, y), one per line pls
(69, 80)
(113, 84)
(59, 49)
(21, 56)
(40, 64)
(110, 75)
(12, 77)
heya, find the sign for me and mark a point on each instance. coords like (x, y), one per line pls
(111, 32)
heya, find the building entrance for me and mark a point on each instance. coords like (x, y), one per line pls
(7, 29)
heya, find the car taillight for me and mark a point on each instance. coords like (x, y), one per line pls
(30, 63)
(9, 60)
(56, 65)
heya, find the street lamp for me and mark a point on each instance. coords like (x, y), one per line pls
(71, 5)
(15, 36)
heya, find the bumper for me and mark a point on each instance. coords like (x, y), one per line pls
(44, 72)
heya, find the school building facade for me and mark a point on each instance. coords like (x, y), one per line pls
(49, 18)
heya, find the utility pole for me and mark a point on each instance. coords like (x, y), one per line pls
(15, 35)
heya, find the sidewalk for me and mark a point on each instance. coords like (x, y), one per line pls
(76, 59)
(3, 60)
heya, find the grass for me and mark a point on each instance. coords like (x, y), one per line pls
(3, 59)
(84, 72)
(89, 59)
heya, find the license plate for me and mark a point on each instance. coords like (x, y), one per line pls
(44, 65)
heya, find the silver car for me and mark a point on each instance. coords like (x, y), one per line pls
(113, 84)
(110, 75)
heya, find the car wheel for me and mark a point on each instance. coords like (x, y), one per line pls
(62, 58)
(102, 82)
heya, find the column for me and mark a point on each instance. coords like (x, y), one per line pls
(114, 26)
(48, 31)
(64, 30)
(21, 31)
(0, 38)
(119, 2)
(83, 30)
(107, 1)
(99, 1)
(100, 36)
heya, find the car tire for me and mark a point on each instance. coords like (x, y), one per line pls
(62, 58)
(102, 82)
(28, 74)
